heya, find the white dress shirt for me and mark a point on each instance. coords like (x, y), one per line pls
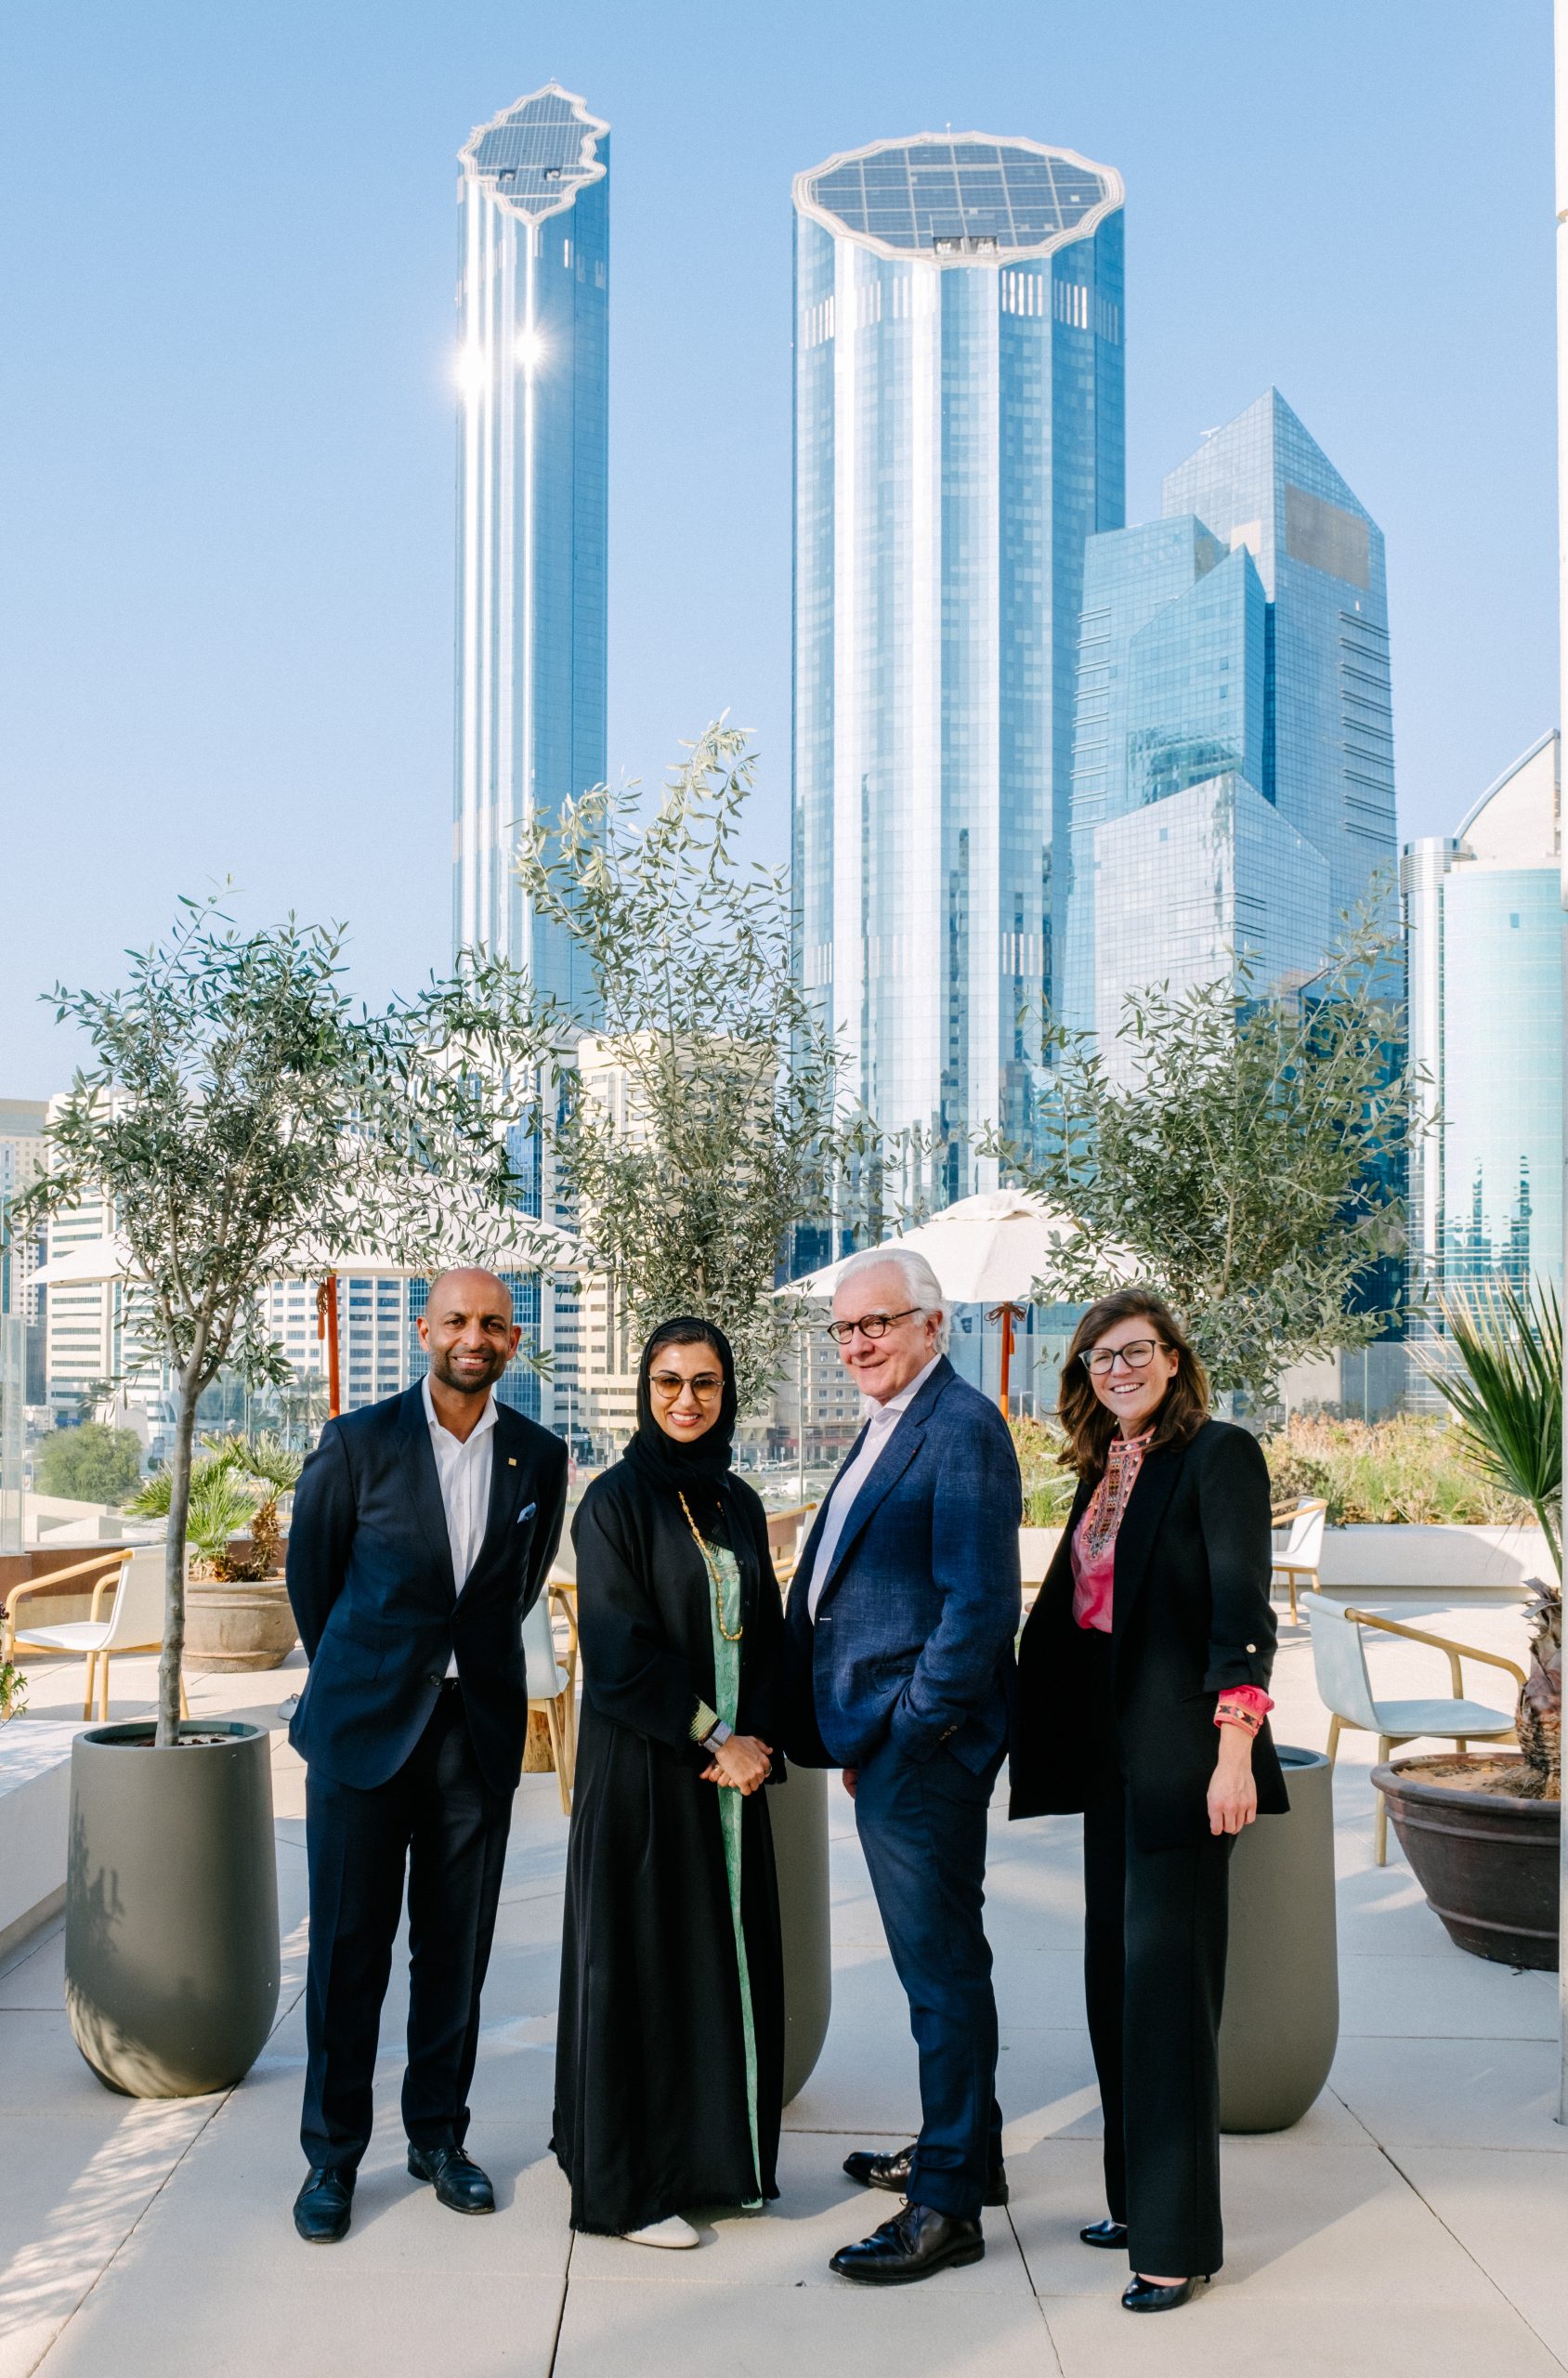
(462, 1464)
(884, 1419)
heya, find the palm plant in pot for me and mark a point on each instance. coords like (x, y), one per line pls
(1481, 1829)
(237, 1613)
(242, 1122)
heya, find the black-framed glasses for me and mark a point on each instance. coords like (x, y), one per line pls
(1101, 1361)
(870, 1325)
(667, 1385)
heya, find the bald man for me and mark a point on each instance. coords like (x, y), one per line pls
(423, 1531)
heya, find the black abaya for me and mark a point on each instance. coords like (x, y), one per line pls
(651, 2103)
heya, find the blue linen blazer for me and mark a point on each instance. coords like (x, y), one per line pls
(915, 1626)
(370, 1583)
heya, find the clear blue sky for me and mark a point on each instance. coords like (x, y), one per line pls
(226, 409)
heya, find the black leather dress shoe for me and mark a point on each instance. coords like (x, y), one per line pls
(916, 2242)
(1104, 2233)
(459, 2182)
(892, 2172)
(324, 2206)
(1142, 2296)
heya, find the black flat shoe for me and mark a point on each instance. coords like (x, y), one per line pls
(324, 2206)
(1104, 2233)
(892, 2172)
(1142, 2296)
(915, 2243)
(459, 2183)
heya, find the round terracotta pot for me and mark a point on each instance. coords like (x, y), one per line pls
(1488, 1864)
(231, 1629)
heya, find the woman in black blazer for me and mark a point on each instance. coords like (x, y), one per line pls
(1142, 1701)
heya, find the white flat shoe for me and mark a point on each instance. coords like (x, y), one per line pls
(672, 2231)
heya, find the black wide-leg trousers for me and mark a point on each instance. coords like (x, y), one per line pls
(1156, 1924)
(439, 1820)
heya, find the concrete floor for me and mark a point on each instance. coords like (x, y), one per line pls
(1410, 2227)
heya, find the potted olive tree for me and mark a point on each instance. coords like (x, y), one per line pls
(237, 1612)
(242, 1122)
(1480, 1829)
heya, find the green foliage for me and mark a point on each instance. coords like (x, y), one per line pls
(1048, 1487)
(89, 1464)
(220, 1505)
(1236, 1154)
(13, 1691)
(701, 1123)
(245, 1123)
(1409, 1470)
(1508, 1392)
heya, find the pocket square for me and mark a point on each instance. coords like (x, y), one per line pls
(526, 1512)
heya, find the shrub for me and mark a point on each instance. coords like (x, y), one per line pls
(1411, 1468)
(1048, 1487)
(92, 1464)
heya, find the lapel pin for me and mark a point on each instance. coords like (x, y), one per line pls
(511, 1461)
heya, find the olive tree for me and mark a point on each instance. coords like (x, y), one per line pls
(245, 1123)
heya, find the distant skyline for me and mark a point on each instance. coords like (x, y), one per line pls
(228, 408)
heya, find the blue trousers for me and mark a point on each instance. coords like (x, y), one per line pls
(923, 1828)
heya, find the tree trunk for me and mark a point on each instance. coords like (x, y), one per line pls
(174, 1556)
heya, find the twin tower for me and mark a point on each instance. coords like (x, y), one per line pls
(1041, 759)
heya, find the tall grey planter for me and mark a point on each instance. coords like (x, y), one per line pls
(171, 1922)
(1281, 2022)
(798, 1811)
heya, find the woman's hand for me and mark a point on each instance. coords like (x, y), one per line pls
(1233, 1794)
(743, 1764)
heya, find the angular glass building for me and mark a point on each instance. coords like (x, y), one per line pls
(533, 308)
(959, 434)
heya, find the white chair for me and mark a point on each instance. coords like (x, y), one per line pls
(1345, 1689)
(1299, 1559)
(552, 1691)
(133, 1626)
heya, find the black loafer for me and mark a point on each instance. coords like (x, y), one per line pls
(915, 2243)
(1104, 2233)
(459, 2183)
(1142, 2296)
(324, 2206)
(892, 2172)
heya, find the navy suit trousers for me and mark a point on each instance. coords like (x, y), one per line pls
(439, 1818)
(922, 1827)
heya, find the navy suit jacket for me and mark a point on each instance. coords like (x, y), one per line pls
(916, 1622)
(371, 1582)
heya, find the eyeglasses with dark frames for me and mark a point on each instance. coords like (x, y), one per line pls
(870, 1325)
(1100, 1361)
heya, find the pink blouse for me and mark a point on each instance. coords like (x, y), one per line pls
(1094, 1553)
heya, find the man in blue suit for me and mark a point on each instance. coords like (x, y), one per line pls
(901, 1625)
(423, 1531)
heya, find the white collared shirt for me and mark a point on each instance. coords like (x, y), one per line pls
(462, 1464)
(882, 1421)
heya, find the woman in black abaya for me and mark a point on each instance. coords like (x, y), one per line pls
(670, 2052)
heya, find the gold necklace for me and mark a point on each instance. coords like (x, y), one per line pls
(716, 1578)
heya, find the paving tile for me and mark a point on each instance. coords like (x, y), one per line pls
(1231, 2327)
(1447, 1995)
(1510, 2212)
(943, 2326)
(36, 1978)
(1453, 2093)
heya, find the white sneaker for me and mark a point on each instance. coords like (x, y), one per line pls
(672, 2231)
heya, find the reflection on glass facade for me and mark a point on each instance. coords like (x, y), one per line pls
(533, 309)
(959, 434)
(1483, 919)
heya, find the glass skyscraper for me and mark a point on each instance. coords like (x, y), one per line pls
(533, 307)
(959, 434)
(1232, 774)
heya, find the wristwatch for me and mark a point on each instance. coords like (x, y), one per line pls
(717, 1736)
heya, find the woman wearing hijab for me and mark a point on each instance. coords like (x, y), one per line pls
(670, 2051)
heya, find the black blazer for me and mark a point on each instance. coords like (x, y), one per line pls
(371, 1582)
(1190, 1616)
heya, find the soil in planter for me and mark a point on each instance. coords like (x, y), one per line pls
(1508, 1778)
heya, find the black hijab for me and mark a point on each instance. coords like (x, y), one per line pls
(665, 1458)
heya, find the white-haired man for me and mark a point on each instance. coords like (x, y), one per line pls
(901, 1625)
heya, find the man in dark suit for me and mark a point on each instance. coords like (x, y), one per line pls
(423, 1531)
(901, 1624)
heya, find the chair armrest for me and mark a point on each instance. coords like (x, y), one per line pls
(57, 1578)
(561, 1602)
(1456, 1652)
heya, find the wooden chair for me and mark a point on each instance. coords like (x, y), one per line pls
(552, 1691)
(134, 1574)
(1345, 1689)
(1297, 1563)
